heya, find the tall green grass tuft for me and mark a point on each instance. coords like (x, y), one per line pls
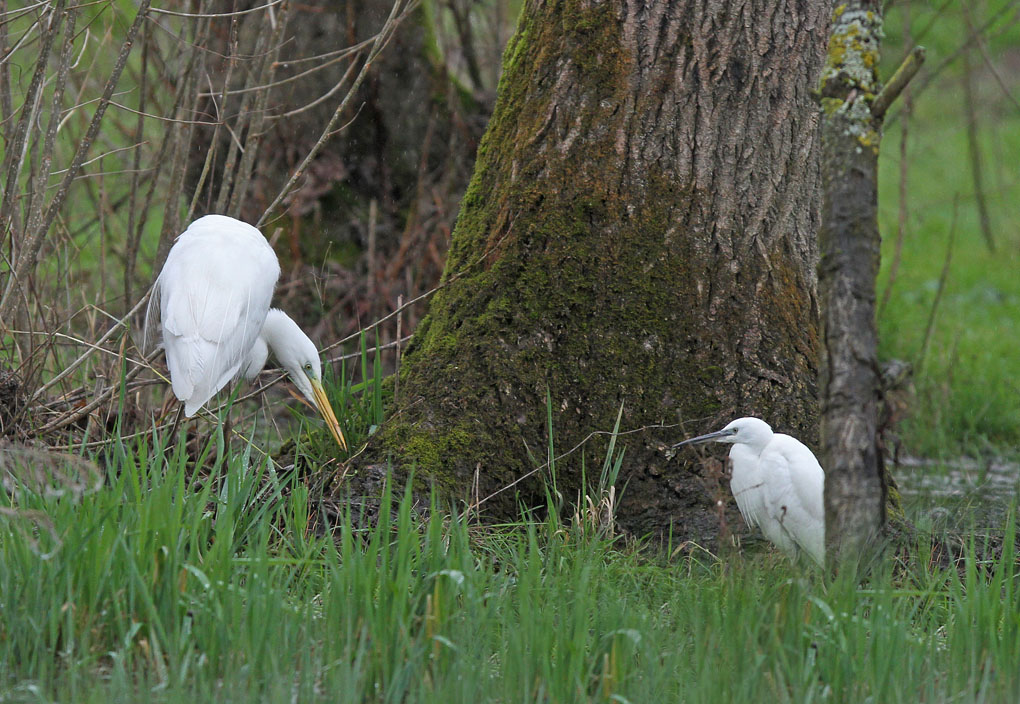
(166, 585)
(359, 394)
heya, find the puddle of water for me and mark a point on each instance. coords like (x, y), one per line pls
(959, 492)
(995, 479)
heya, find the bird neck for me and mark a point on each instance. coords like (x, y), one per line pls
(292, 348)
(278, 328)
(283, 337)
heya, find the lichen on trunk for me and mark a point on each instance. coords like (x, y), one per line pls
(639, 231)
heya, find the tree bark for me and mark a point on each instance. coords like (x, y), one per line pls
(855, 490)
(639, 231)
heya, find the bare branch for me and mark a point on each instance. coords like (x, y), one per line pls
(206, 15)
(254, 137)
(907, 70)
(339, 56)
(120, 324)
(15, 153)
(322, 98)
(974, 147)
(27, 257)
(933, 73)
(575, 448)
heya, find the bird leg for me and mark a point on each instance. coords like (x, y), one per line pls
(177, 421)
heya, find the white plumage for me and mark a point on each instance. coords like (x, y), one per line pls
(778, 485)
(212, 303)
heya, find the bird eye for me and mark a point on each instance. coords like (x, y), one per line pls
(308, 367)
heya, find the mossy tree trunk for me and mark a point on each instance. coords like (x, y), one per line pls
(855, 490)
(639, 231)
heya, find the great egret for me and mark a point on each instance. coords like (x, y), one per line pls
(212, 299)
(777, 483)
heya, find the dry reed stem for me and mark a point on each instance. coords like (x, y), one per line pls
(34, 238)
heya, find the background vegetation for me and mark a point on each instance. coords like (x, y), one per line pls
(956, 321)
(127, 574)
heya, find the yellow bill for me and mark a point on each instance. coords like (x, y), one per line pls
(322, 403)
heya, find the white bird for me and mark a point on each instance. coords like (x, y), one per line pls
(778, 485)
(212, 301)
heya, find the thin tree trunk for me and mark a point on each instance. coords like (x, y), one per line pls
(855, 492)
(639, 231)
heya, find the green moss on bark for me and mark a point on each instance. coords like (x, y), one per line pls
(575, 274)
(527, 307)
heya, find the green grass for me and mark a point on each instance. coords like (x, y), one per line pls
(359, 393)
(967, 384)
(161, 586)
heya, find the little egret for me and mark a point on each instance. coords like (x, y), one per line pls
(212, 300)
(777, 483)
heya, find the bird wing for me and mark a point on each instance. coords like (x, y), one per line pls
(794, 485)
(747, 484)
(214, 292)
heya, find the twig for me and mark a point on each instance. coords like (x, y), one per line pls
(220, 108)
(322, 98)
(209, 15)
(97, 345)
(6, 105)
(930, 327)
(989, 64)
(446, 282)
(37, 198)
(39, 168)
(933, 18)
(265, 75)
(253, 110)
(932, 74)
(244, 119)
(25, 36)
(102, 398)
(15, 153)
(161, 118)
(134, 237)
(901, 220)
(280, 375)
(907, 70)
(973, 147)
(181, 134)
(337, 57)
(99, 157)
(159, 161)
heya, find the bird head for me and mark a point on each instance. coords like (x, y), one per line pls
(298, 355)
(746, 431)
